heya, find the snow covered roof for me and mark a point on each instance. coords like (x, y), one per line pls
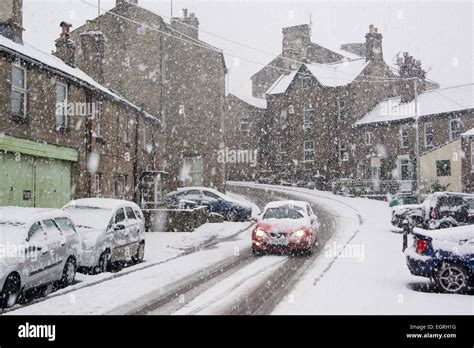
(100, 203)
(341, 52)
(338, 74)
(251, 100)
(28, 215)
(329, 75)
(469, 133)
(281, 84)
(55, 64)
(433, 102)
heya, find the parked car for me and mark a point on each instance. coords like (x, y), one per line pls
(444, 256)
(111, 230)
(216, 202)
(446, 209)
(402, 199)
(411, 211)
(470, 206)
(285, 226)
(41, 246)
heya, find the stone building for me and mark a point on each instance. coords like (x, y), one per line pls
(311, 112)
(242, 129)
(166, 69)
(68, 135)
(388, 135)
(296, 48)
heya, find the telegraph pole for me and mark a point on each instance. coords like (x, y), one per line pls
(417, 146)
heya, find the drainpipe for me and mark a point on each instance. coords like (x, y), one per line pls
(89, 141)
(136, 184)
(417, 149)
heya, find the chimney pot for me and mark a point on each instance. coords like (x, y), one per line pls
(185, 12)
(376, 30)
(371, 28)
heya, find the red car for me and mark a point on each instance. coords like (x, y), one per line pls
(285, 226)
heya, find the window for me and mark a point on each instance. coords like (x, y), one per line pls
(119, 216)
(211, 195)
(192, 173)
(309, 151)
(18, 93)
(428, 134)
(368, 138)
(343, 154)
(97, 186)
(130, 213)
(342, 109)
(308, 116)
(244, 122)
(51, 228)
(98, 120)
(283, 147)
(385, 79)
(120, 186)
(404, 140)
(65, 225)
(283, 119)
(306, 81)
(443, 168)
(144, 139)
(35, 231)
(455, 128)
(125, 129)
(61, 106)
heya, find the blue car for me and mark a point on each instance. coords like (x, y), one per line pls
(216, 202)
(445, 256)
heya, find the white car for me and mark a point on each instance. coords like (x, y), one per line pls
(111, 230)
(38, 247)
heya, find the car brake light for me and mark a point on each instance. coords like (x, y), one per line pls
(421, 246)
(434, 213)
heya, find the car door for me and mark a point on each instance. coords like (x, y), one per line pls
(213, 202)
(56, 244)
(133, 225)
(36, 256)
(70, 236)
(119, 235)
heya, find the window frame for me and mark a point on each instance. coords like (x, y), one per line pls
(308, 125)
(98, 120)
(369, 134)
(97, 184)
(407, 136)
(343, 153)
(284, 119)
(21, 90)
(451, 121)
(308, 150)
(430, 124)
(244, 121)
(446, 168)
(64, 115)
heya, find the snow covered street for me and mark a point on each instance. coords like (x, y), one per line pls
(358, 268)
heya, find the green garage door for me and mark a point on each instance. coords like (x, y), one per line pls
(16, 180)
(27, 181)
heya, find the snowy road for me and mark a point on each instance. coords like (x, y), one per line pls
(246, 284)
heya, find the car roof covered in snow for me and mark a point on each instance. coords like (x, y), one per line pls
(288, 203)
(469, 133)
(101, 203)
(50, 62)
(26, 216)
(432, 102)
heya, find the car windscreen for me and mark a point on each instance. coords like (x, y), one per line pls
(283, 213)
(90, 217)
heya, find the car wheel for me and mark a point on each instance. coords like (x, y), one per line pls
(69, 273)
(140, 255)
(452, 278)
(232, 215)
(104, 262)
(11, 291)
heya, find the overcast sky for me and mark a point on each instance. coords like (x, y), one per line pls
(439, 33)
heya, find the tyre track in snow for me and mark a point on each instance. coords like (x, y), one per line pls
(263, 294)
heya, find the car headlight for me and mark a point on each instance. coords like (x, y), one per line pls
(259, 233)
(299, 234)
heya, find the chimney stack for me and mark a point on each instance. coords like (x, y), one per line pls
(65, 47)
(93, 54)
(186, 25)
(11, 20)
(373, 44)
